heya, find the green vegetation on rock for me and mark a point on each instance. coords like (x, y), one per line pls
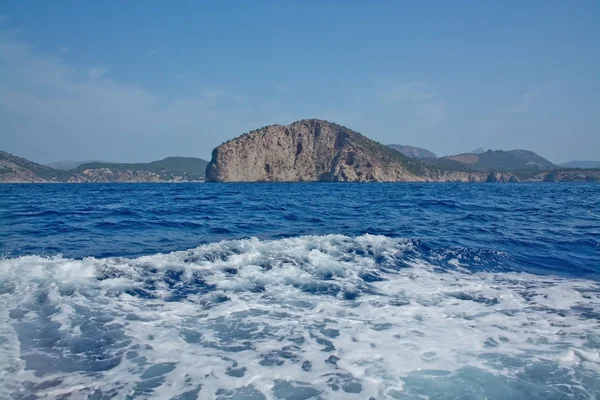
(17, 169)
(494, 160)
(188, 167)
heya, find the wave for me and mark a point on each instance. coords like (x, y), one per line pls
(296, 318)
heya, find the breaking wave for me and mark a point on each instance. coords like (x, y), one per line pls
(330, 317)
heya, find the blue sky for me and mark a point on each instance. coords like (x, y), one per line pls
(142, 80)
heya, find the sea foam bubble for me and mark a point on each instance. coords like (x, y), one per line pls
(329, 317)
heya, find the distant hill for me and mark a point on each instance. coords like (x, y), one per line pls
(581, 164)
(171, 169)
(496, 160)
(18, 169)
(68, 164)
(478, 150)
(412, 152)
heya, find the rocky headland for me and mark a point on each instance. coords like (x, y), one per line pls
(319, 151)
(309, 150)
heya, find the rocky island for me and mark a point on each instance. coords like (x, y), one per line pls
(314, 150)
(309, 150)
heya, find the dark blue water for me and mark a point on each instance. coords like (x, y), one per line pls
(297, 291)
(552, 228)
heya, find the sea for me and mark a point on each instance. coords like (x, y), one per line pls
(300, 291)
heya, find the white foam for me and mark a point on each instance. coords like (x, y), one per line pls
(199, 317)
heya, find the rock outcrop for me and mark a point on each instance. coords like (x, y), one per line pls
(15, 169)
(307, 151)
(434, 175)
(314, 150)
(14, 173)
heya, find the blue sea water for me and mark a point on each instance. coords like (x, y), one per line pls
(300, 291)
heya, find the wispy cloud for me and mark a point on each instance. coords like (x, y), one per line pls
(503, 116)
(51, 109)
(63, 50)
(412, 92)
(152, 52)
(525, 102)
(97, 72)
(281, 88)
(418, 98)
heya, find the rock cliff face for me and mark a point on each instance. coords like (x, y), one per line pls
(309, 150)
(20, 170)
(13, 173)
(314, 150)
(455, 176)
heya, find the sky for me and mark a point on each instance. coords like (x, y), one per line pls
(142, 80)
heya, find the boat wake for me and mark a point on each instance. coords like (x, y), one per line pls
(330, 317)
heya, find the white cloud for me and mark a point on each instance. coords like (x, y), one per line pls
(50, 109)
(281, 88)
(97, 72)
(63, 50)
(418, 101)
(214, 94)
(270, 106)
(412, 92)
(431, 112)
(525, 102)
(501, 118)
(152, 52)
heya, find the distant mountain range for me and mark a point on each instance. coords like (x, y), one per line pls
(481, 159)
(413, 152)
(171, 169)
(496, 160)
(67, 165)
(310, 150)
